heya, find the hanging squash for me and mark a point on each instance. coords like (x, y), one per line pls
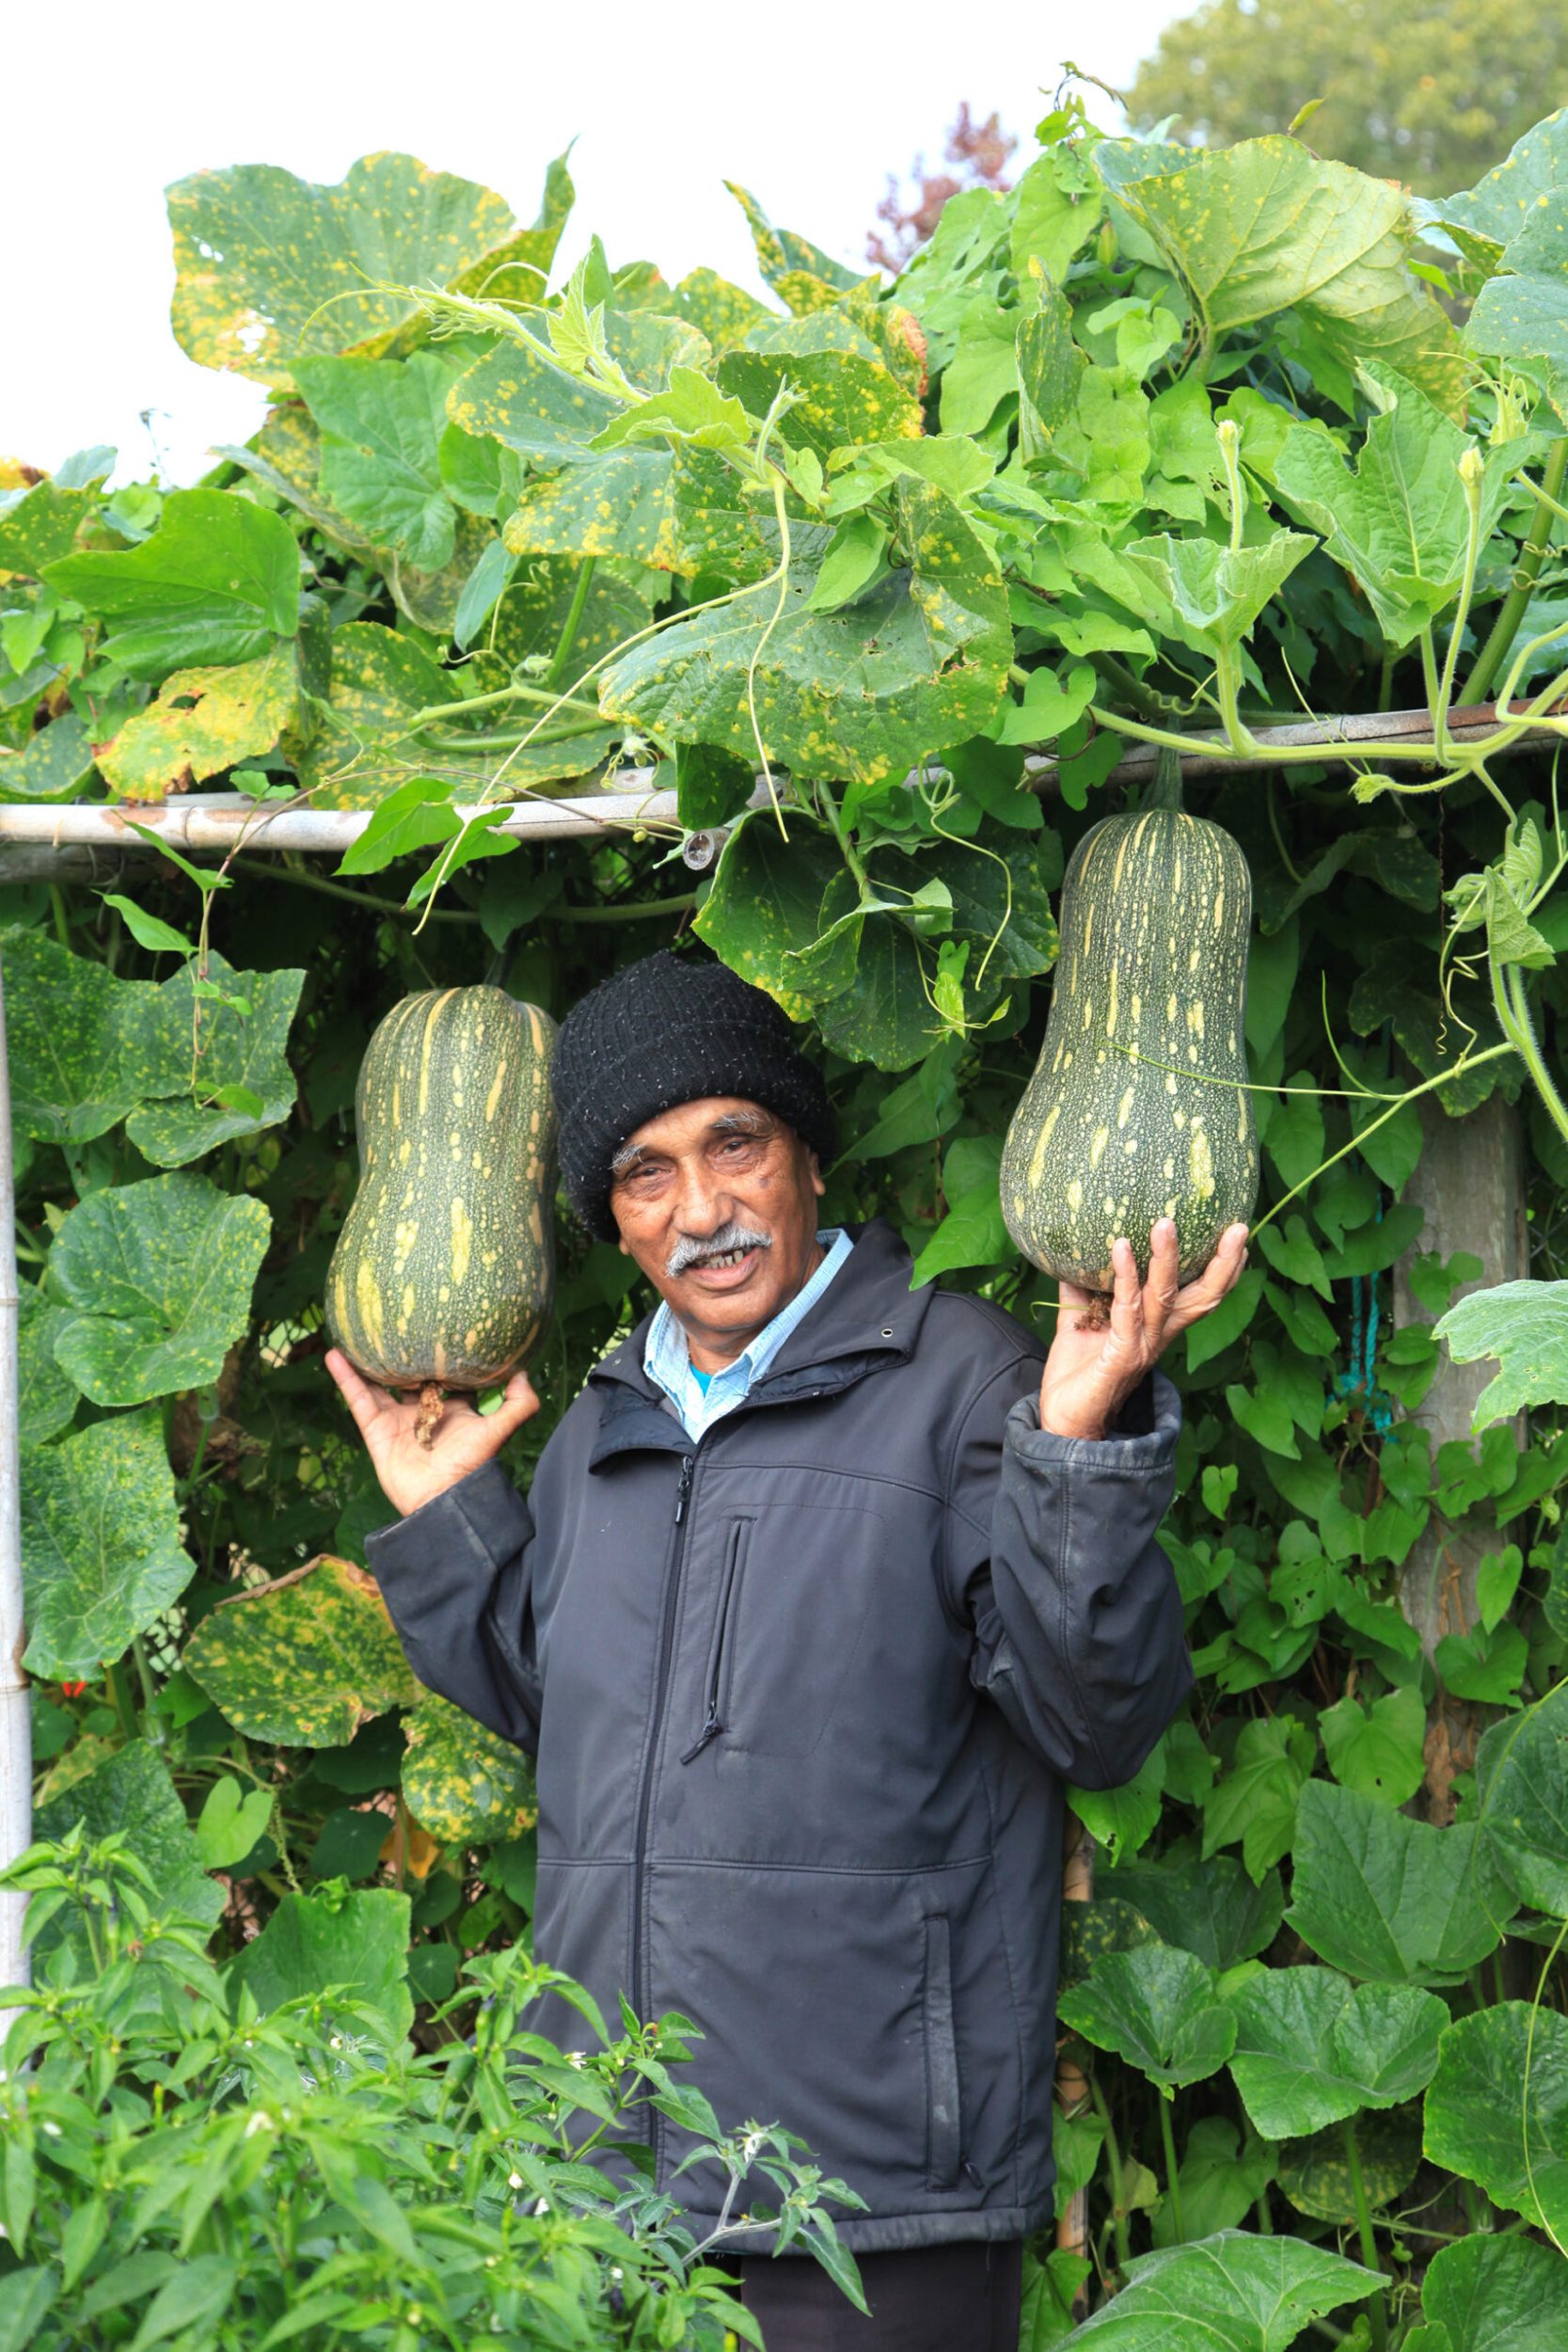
(443, 1276)
(1122, 1122)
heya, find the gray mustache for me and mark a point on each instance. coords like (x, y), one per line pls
(689, 1252)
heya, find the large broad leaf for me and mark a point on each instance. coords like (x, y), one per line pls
(1398, 521)
(1264, 226)
(918, 661)
(158, 1277)
(1211, 1908)
(1497, 2294)
(1233, 2293)
(225, 1049)
(270, 267)
(131, 1791)
(1523, 1768)
(368, 746)
(1525, 1325)
(54, 764)
(303, 1660)
(46, 1397)
(215, 582)
(1488, 218)
(1315, 2173)
(66, 1022)
(463, 1782)
(516, 396)
(1311, 2049)
(1496, 2111)
(616, 501)
(1512, 223)
(102, 1555)
(842, 398)
(381, 424)
(357, 1939)
(202, 722)
(1389, 1898)
(1158, 2009)
(799, 273)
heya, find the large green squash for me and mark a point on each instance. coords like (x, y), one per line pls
(1118, 1126)
(443, 1276)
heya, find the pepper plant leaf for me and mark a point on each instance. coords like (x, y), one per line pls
(1496, 2111)
(157, 1278)
(1389, 1898)
(305, 1659)
(463, 1782)
(1157, 2008)
(101, 1544)
(1311, 2049)
(215, 582)
(1232, 2292)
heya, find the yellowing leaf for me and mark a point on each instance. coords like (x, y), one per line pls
(305, 1659)
(203, 722)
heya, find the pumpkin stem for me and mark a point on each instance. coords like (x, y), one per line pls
(1165, 791)
(431, 1405)
(1096, 1316)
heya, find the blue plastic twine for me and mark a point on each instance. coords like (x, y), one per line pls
(1361, 1379)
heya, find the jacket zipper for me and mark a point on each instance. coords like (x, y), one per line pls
(712, 1726)
(644, 1801)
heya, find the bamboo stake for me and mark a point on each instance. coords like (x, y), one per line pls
(224, 820)
(1073, 2088)
(16, 1743)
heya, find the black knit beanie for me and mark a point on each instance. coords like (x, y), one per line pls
(665, 1031)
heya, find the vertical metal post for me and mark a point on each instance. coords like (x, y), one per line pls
(16, 1744)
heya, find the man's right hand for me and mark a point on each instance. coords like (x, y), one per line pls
(411, 1473)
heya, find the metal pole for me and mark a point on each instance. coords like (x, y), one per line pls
(16, 1741)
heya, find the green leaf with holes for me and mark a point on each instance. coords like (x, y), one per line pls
(305, 1659)
(1525, 1327)
(156, 1279)
(1157, 2008)
(1311, 2049)
(101, 1552)
(201, 723)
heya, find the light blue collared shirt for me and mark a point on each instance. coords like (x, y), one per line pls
(667, 1360)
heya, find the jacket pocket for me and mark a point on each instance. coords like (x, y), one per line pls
(943, 2122)
(721, 1646)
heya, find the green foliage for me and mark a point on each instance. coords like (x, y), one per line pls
(1158, 442)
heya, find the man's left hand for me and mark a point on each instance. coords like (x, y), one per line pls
(1088, 1372)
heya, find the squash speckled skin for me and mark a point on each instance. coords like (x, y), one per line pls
(444, 1271)
(1156, 916)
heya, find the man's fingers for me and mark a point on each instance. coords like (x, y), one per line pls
(358, 1395)
(518, 1403)
(1219, 1276)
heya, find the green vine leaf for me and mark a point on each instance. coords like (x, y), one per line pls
(67, 1020)
(157, 1279)
(1234, 2293)
(245, 1051)
(1311, 2049)
(1498, 2294)
(464, 1784)
(1496, 2111)
(355, 1939)
(1390, 1899)
(132, 1791)
(381, 424)
(101, 1544)
(216, 583)
(1315, 2173)
(1524, 1325)
(202, 722)
(1159, 2008)
(305, 1659)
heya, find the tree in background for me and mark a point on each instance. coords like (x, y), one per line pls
(1432, 95)
(979, 151)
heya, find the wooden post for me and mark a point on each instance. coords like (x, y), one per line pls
(1470, 1181)
(16, 1743)
(1072, 2086)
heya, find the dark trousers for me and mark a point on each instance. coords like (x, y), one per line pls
(935, 2298)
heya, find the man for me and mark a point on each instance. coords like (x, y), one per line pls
(823, 1589)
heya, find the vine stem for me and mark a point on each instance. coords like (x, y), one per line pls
(557, 670)
(1526, 573)
(1377, 2310)
(1512, 1007)
(1112, 2161)
(1173, 2186)
(615, 910)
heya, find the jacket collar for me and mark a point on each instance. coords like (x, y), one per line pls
(867, 1319)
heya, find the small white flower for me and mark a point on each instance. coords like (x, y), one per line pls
(616, 2272)
(336, 2042)
(543, 2206)
(260, 2121)
(514, 2180)
(414, 2314)
(53, 2129)
(576, 2058)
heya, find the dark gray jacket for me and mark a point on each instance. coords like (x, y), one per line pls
(803, 1695)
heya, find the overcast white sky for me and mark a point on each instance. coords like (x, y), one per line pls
(810, 102)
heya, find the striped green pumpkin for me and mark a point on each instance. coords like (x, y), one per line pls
(1156, 917)
(444, 1272)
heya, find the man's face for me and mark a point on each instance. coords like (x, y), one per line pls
(716, 1202)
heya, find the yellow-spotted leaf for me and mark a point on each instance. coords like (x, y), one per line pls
(464, 1783)
(305, 1659)
(269, 268)
(102, 1554)
(617, 503)
(202, 722)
